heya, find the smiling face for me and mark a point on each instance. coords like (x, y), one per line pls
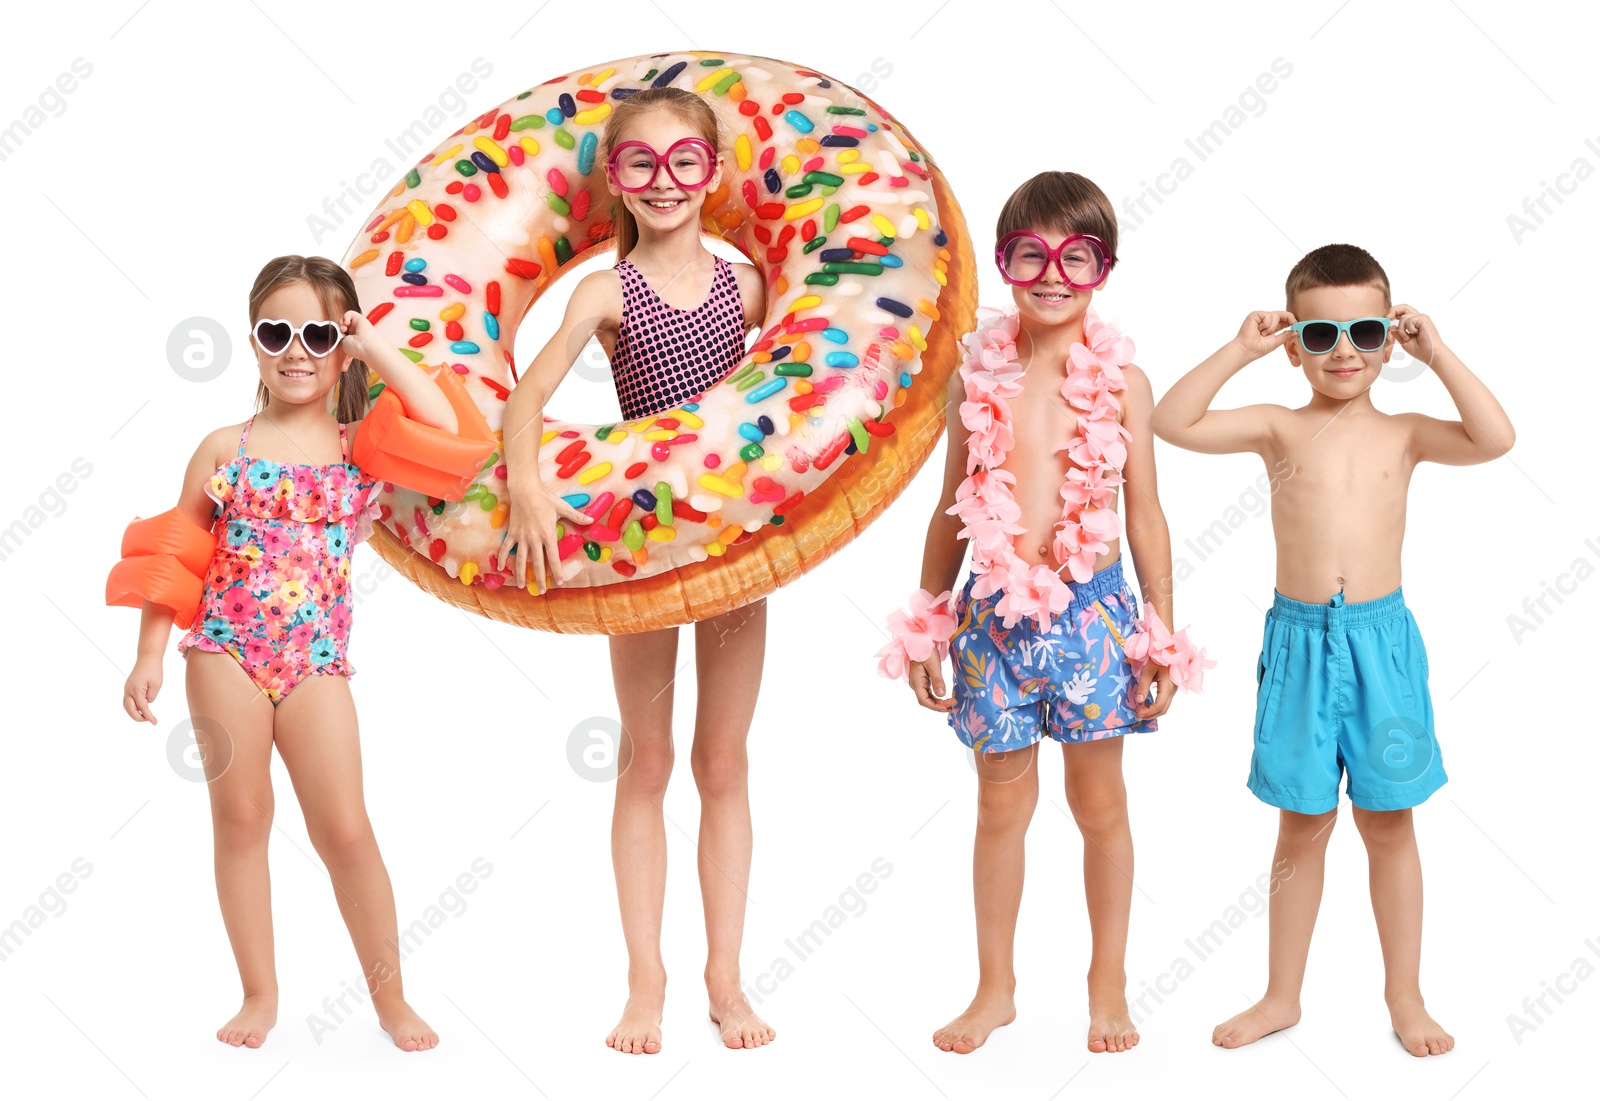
(663, 206)
(1050, 301)
(1345, 372)
(294, 376)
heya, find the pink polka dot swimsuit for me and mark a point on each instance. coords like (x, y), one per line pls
(276, 591)
(665, 356)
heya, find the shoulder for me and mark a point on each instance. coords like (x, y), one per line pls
(219, 447)
(752, 290)
(597, 299)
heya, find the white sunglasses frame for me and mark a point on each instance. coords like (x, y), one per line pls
(295, 333)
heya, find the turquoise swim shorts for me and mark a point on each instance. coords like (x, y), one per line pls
(1343, 688)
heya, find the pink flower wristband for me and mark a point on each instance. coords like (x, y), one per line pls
(1153, 642)
(917, 631)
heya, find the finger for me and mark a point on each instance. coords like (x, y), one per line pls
(1146, 675)
(536, 554)
(938, 681)
(552, 555)
(919, 684)
(130, 707)
(570, 513)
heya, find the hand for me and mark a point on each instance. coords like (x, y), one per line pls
(1162, 677)
(531, 534)
(1265, 330)
(140, 690)
(1416, 333)
(358, 331)
(927, 681)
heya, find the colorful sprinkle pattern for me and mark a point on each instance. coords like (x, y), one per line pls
(821, 189)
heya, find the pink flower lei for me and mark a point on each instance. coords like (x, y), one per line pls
(1089, 522)
(1099, 448)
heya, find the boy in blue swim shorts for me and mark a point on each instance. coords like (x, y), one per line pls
(1045, 638)
(1343, 675)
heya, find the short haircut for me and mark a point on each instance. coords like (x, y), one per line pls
(1064, 202)
(1335, 266)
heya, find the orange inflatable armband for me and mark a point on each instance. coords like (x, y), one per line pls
(394, 448)
(164, 561)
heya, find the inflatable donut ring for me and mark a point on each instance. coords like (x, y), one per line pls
(714, 503)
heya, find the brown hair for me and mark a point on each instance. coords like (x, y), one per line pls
(1335, 266)
(337, 292)
(693, 111)
(1064, 202)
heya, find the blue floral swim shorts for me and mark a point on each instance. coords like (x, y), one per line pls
(1070, 680)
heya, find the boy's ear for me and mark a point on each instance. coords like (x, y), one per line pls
(1291, 348)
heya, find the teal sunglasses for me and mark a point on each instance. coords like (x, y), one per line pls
(1367, 334)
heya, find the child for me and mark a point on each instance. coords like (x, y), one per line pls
(662, 160)
(1343, 677)
(265, 655)
(1053, 412)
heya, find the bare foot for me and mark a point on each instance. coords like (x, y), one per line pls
(1267, 1016)
(639, 1031)
(249, 1026)
(990, 1009)
(409, 1031)
(732, 1014)
(1419, 1033)
(1110, 1027)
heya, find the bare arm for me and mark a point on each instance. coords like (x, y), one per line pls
(1185, 418)
(1484, 431)
(942, 551)
(1149, 540)
(752, 294)
(595, 306)
(424, 402)
(155, 620)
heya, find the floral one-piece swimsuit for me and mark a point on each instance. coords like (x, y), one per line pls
(276, 592)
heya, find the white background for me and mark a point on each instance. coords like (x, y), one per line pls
(197, 148)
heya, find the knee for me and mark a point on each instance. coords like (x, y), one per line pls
(243, 823)
(343, 839)
(1098, 810)
(1302, 831)
(1383, 828)
(646, 766)
(1007, 807)
(720, 773)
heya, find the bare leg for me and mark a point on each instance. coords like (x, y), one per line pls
(1394, 872)
(1008, 791)
(729, 650)
(233, 730)
(1099, 804)
(1297, 866)
(319, 742)
(643, 670)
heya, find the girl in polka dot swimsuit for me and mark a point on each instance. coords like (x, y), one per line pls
(673, 318)
(265, 656)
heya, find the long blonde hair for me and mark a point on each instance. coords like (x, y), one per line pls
(693, 111)
(337, 292)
